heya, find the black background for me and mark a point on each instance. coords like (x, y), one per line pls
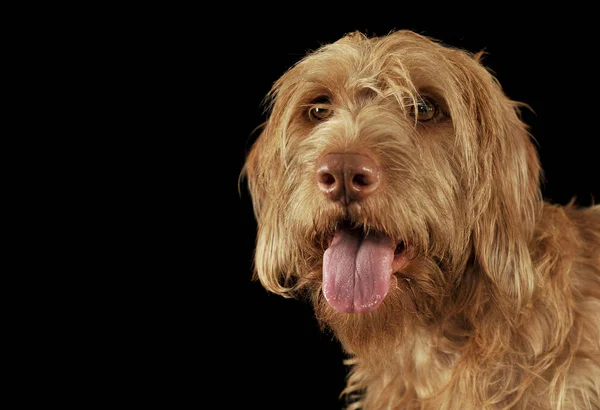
(267, 352)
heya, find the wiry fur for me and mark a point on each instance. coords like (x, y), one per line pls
(499, 306)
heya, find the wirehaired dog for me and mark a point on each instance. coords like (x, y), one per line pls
(396, 187)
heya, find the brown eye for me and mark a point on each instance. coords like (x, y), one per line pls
(319, 112)
(425, 110)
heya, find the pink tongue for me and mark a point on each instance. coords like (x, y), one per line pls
(357, 270)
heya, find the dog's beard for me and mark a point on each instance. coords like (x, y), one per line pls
(353, 255)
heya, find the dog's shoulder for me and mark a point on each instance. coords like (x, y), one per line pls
(570, 236)
(585, 250)
(587, 223)
(568, 220)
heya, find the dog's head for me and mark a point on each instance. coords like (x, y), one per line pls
(389, 170)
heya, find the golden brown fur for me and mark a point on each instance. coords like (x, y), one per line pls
(499, 306)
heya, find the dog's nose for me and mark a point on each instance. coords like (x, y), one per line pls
(347, 177)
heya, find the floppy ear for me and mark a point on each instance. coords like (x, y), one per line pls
(264, 169)
(505, 187)
(509, 211)
(271, 252)
(265, 163)
(251, 172)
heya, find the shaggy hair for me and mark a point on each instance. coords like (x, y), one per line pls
(497, 305)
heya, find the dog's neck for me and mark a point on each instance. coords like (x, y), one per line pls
(415, 368)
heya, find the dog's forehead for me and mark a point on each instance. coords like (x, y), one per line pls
(356, 63)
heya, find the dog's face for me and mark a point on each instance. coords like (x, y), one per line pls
(382, 174)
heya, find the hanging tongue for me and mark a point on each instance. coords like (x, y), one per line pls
(357, 270)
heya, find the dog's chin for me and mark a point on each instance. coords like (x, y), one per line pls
(358, 266)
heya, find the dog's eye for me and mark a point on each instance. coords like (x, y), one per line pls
(319, 112)
(425, 110)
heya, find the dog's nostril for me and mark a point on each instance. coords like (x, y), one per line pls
(360, 180)
(326, 178)
(328, 183)
(364, 179)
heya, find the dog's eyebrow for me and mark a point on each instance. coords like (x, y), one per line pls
(322, 99)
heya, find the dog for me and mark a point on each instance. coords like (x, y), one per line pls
(397, 188)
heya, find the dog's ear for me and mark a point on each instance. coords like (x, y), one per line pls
(504, 182)
(251, 173)
(264, 171)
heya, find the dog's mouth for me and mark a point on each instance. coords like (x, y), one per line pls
(358, 266)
